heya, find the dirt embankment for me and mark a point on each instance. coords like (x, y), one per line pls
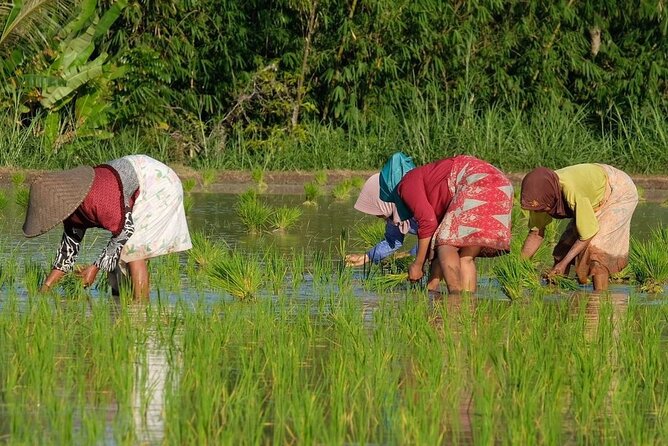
(292, 182)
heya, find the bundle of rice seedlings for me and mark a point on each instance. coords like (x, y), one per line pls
(254, 214)
(72, 286)
(3, 200)
(18, 179)
(285, 217)
(238, 274)
(22, 197)
(204, 251)
(623, 276)
(648, 261)
(369, 234)
(312, 191)
(357, 182)
(342, 190)
(384, 282)
(188, 184)
(516, 276)
(562, 283)
(320, 178)
(257, 174)
(208, 177)
(397, 263)
(33, 274)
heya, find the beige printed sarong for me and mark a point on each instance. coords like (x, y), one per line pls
(158, 214)
(608, 251)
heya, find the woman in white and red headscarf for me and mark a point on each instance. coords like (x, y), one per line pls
(136, 198)
(369, 202)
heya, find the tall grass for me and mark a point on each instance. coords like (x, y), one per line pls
(422, 126)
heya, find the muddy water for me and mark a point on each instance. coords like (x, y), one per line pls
(319, 228)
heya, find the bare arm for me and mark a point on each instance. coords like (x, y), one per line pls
(415, 270)
(532, 243)
(577, 248)
(52, 279)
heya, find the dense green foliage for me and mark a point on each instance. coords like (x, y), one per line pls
(272, 79)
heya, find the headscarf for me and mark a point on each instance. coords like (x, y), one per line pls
(390, 175)
(370, 203)
(541, 193)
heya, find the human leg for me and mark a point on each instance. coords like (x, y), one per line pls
(448, 257)
(435, 275)
(468, 274)
(140, 278)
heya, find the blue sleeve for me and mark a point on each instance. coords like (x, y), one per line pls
(393, 241)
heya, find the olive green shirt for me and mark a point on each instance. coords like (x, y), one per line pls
(583, 186)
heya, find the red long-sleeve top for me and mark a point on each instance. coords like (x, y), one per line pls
(103, 206)
(425, 192)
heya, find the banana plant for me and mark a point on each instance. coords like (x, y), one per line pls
(82, 79)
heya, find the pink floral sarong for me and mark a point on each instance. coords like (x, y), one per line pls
(479, 214)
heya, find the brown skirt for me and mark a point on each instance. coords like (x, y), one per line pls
(608, 251)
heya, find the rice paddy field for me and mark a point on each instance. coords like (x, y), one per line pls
(261, 335)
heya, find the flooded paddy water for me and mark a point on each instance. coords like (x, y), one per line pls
(317, 356)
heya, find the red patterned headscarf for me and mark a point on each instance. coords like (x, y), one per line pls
(541, 193)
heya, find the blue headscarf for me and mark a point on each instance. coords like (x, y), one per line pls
(390, 175)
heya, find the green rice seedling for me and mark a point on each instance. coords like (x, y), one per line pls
(297, 268)
(257, 174)
(369, 234)
(188, 203)
(357, 182)
(623, 276)
(516, 276)
(562, 283)
(385, 282)
(72, 286)
(208, 177)
(276, 269)
(18, 179)
(9, 271)
(320, 178)
(33, 275)
(664, 203)
(396, 263)
(205, 252)
(342, 190)
(254, 214)
(4, 201)
(285, 217)
(166, 272)
(22, 197)
(312, 191)
(189, 184)
(239, 274)
(642, 193)
(648, 261)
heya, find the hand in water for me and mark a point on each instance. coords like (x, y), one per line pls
(415, 272)
(88, 274)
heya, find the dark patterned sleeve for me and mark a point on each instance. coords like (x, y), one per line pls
(112, 252)
(69, 248)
